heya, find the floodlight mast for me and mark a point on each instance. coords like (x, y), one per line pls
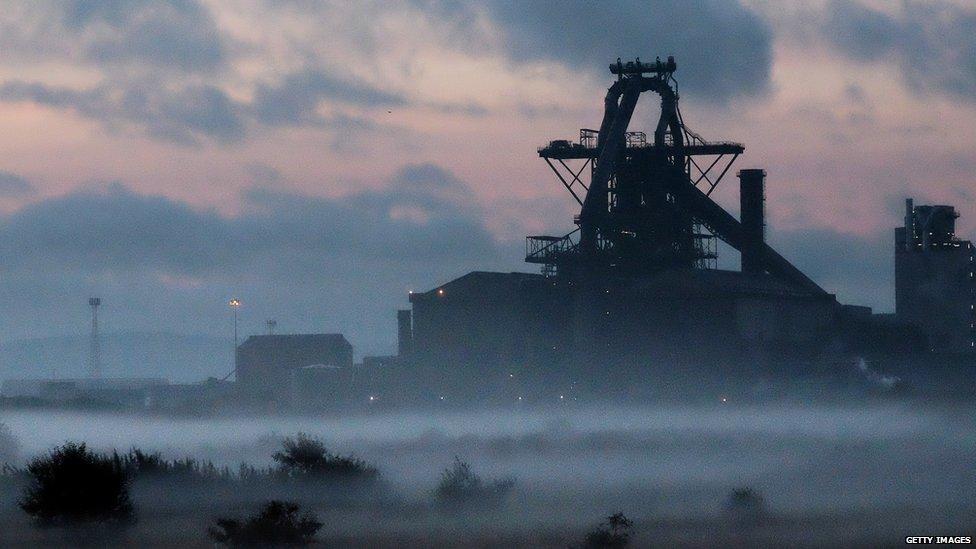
(94, 350)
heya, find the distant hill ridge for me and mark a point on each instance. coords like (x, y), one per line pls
(176, 357)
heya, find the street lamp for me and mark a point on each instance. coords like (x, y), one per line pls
(235, 304)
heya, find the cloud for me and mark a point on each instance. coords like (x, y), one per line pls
(180, 34)
(164, 67)
(14, 186)
(118, 230)
(185, 114)
(295, 99)
(182, 114)
(723, 50)
(932, 44)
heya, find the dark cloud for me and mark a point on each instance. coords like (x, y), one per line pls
(290, 256)
(182, 115)
(723, 50)
(14, 186)
(119, 230)
(933, 44)
(295, 99)
(186, 114)
(170, 33)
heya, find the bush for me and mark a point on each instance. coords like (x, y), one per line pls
(612, 533)
(306, 457)
(745, 505)
(73, 484)
(278, 523)
(460, 485)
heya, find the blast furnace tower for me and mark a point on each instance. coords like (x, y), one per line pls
(632, 299)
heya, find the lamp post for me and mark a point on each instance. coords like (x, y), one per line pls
(235, 304)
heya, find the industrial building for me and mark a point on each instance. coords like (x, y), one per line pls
(633, 292)
(934, 285)
(279, 369)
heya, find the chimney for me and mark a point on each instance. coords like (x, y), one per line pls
(752, 215)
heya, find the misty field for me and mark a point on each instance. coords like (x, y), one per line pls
(827, 475)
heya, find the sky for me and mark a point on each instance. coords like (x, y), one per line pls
(319, 160)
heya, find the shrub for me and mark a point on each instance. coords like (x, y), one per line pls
(745, 505)
(278, 523)
(460, 485)
(73, 484)
(140, 464)
(306, 457)
(612, 533)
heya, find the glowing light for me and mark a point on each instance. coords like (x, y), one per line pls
(724, 399)
(440, 291)
(235, 303)
(372, 398)
(520, 398)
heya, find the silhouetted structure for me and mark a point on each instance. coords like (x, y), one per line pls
(269, 367)
(647, 206)
(490, 318)
(934, 285)
(752, 212)
(634, 291)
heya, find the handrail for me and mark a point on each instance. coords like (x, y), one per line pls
(552, 243)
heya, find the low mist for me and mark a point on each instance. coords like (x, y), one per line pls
(877, 471)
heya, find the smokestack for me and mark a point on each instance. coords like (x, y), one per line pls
(752, 215)
(404, 332)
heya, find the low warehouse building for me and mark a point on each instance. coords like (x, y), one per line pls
(267, 365)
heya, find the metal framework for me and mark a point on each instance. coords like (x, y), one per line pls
(646, 206)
